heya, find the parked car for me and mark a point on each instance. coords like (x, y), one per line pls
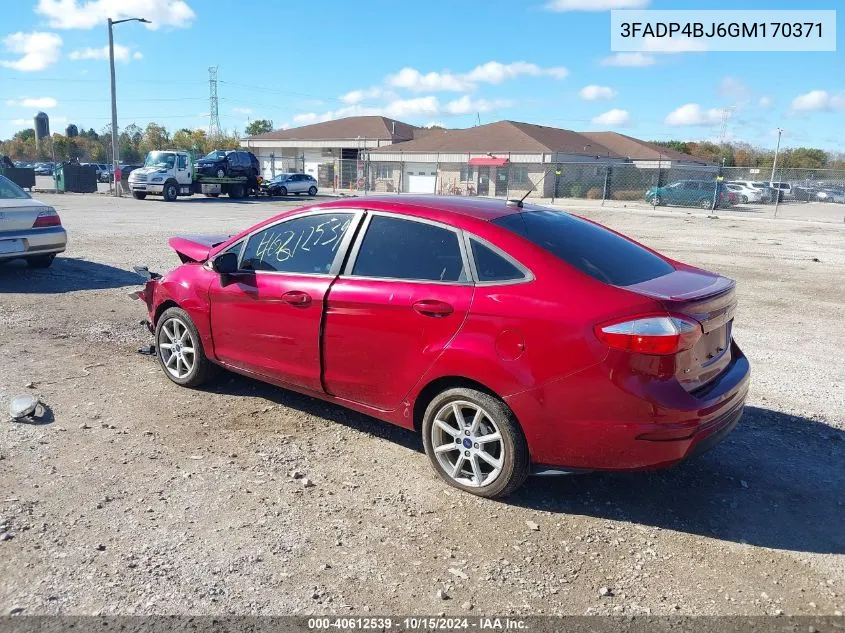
(691, 193)
(831, 194)
(29, 229)
(228, 164)
(783, 190)
(283, 184)
(512, 337)
(44, 169)
(765, 191)
(745, 194)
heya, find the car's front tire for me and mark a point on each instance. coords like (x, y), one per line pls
(170, 191)
(179, 349)
(655, 200)
(139, 195)
(475, 443)
(283, 191)
(41, 261)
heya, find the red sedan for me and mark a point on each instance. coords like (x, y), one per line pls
(513, 338)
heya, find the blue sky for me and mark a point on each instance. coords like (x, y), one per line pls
(439, 61)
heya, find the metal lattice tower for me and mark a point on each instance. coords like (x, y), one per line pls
(213, 111)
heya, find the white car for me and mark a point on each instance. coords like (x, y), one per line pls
(831, 195)
(745, 194)
(766, 192)
(29, 229)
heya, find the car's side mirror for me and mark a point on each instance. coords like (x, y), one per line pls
(225, 264)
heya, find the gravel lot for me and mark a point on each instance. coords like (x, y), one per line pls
(136, 496)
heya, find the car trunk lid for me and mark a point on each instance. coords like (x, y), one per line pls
(19, 215)
(709, 299)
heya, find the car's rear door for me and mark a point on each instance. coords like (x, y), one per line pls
(401, 299)
(266, 318)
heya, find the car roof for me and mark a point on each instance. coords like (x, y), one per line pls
(445, 208)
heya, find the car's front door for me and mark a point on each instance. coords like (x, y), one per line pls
(266, 318)
(402, 298)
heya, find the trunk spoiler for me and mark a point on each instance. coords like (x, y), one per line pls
(195, 248)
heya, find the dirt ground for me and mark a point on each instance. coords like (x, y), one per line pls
(137, 496)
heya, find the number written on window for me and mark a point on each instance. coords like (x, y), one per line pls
(308, 244)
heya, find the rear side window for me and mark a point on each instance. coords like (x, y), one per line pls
(490, 266)
(394, 248)
(590, 248)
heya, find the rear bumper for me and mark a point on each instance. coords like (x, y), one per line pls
(29, 242)
(589, 422)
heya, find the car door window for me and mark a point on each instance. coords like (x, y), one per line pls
(491, 266)
(395, 248)
(308, 244)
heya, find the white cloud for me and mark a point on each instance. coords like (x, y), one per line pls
(595, 5)
(37, 50)
(121, 54)
(239, 110)
(629, 60)
(466, 105)
(766, 102)
(414, 80)
(496, 72)
(613, 118)
(694, 114)
(357, 96)
(86, 14)
(816, 100)
(492, 72)
(41, 103)
(733, 88)
(594, 92)
(428, 106)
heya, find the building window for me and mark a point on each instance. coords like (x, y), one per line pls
(384, 171)
(467, 174)
(519, 174)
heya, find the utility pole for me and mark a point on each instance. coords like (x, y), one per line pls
(777, 150)
(114, 145)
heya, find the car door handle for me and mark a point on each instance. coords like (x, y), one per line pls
(297, 298)
(433, 308)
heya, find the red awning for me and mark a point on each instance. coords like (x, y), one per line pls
(487, 161)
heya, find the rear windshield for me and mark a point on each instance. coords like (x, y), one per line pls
(590, 248)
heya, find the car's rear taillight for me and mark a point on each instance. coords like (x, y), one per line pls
(47, 217)
(650, 334)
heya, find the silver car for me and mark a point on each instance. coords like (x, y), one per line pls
(283, 184)
(29, 229)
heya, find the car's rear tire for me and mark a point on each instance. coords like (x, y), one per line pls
(212, 195)
(40, 261)
(283, 191)
(312, 191)
(453, 423)
(170, 191)
(221, 173)
(237, 191)
(744, 199)
(139, 195)
(175, 334)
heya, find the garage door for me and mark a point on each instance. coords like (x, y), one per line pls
(420, 178)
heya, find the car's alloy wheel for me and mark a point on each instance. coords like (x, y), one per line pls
(744, 199)
(655, 201)
(475, 443)
(312, 191)
(283, 191)
(177, 348)
(220, 173)
(706, 203)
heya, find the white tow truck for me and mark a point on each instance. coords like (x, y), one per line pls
(170, 173)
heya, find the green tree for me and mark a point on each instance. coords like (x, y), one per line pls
(259, 126)
(25, 135)
(155, 137)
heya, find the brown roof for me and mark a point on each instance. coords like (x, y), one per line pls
(502, 136)
(370, 127)
(634, 148)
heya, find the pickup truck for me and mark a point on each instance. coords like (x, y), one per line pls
(171, 173)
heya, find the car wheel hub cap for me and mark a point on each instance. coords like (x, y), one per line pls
(467, 444)
(176, 348)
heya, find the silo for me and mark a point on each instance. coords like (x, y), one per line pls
(71, 130)
(42, 127)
